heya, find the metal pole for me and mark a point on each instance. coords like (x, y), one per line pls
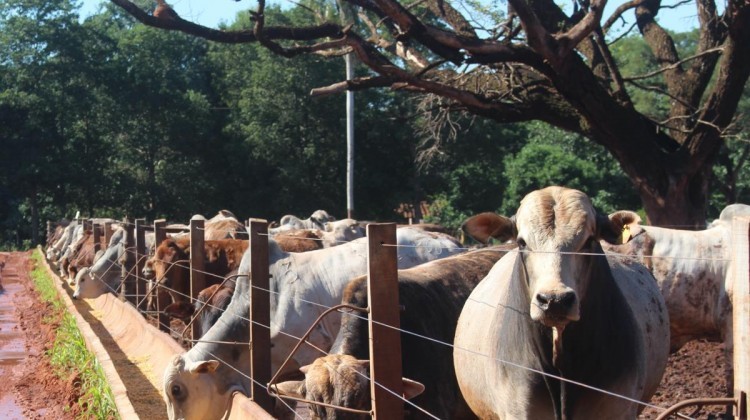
(349, 138)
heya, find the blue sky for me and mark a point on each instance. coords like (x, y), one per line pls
(212, 12)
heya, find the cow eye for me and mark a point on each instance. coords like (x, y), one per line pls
(177, 392)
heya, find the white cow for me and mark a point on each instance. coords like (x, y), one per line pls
(317, 220)
(198, 386)
(559, 306)
(692, 269)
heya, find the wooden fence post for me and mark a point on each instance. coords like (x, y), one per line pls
(160, 234)
(385, 343)
(260, 314)
(127, 291)
(197, 262)
(741, 314)
(107, 233)
(140, 255)
(97, 232)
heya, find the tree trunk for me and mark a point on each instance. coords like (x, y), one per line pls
(681, 205)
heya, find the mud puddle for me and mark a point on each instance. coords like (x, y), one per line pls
(12, 344)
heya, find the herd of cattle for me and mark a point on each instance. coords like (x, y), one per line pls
(504, 331)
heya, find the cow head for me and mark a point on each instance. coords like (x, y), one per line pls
(341, 380)
(556, 229)
(169, 267)
(86, 286)
(191, 391)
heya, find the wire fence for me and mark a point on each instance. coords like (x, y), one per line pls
(159, 284)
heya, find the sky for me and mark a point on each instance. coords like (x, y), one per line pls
(212, 12)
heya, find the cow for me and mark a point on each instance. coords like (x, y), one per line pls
(82, 255)
(336, 233)
(210, 304)
(295, 240)
(198, 386)
(557, 307)
(105, 274)
(170, 266)
(431, 295)
(692, 270)
(55, 234)
(55, 251)
(299, 240)
(317, 220)
(224, 225)
(344, 230)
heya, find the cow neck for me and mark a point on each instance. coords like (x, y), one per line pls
(542, 340)
(604, 333)
(231, 326)
(353, 332)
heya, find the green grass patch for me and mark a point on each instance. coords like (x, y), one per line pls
(69, 352)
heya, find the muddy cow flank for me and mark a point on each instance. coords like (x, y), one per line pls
(558, 305)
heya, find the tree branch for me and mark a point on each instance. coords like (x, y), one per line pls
(674, 65)
(229, 37)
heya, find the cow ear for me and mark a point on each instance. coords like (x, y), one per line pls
(291, 388)
(618, 227)
(488, 225)
(411, 388)
(205, 366)
(631, 224)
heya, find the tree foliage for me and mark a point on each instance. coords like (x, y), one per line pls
(115, 118)
(538, 61)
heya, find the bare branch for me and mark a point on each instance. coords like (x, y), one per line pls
(674, 65)
(229, 37)
(619, 11)
(361, 83)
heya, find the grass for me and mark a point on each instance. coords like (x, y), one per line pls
(69, 352)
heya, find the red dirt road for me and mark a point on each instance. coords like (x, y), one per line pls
(28, 387)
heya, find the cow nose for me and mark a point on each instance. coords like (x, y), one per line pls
(556, 304)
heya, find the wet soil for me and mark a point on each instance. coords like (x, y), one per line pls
(29, 388)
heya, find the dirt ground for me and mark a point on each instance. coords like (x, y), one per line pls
(694, 371)
(29, 388)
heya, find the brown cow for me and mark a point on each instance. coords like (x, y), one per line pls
(300, 240)
(81, 255)
(170, 265)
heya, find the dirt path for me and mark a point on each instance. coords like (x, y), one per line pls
(28, 387)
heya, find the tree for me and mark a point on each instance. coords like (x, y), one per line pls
(537, 62)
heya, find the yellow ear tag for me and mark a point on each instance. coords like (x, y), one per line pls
(625, 234)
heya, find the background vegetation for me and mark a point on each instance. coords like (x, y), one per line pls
(113, 118)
